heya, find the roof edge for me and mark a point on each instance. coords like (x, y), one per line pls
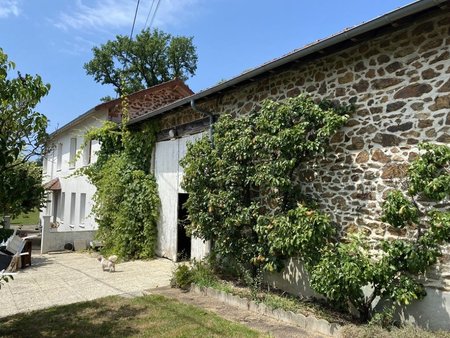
(376, 23)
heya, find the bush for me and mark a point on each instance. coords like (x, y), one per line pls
(182, 277)
(200, 273)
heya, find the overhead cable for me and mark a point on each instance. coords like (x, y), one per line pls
(134, 20)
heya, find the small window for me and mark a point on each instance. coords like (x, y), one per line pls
(82, 207)
(72, 208)
(48, 204)
(73, 152)
(44, 165)
(87, 153)
(59, 156)
(61, 206)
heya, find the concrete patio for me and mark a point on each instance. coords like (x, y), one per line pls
(64, 278)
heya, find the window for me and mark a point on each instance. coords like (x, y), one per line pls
(61, 206)
(82, 207)
(56, 198)
(44, 165)
(73, 152)
(87, 153)
(72, 208)
(59, 156)
(48, 205)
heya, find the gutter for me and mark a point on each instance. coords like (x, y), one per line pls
(211, 121)
(386, 19)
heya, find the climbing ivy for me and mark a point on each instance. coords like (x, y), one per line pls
(243, 192)
(392, 268)
(245, 196)
(126, 198)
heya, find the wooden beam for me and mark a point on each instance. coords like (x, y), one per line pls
(181, 130)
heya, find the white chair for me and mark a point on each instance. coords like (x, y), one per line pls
(15, 246)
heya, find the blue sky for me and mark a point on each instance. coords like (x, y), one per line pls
(53, 38)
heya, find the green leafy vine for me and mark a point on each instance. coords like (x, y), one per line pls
(126, 198)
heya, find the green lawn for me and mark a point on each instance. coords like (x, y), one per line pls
(148, 316)
(31, 218)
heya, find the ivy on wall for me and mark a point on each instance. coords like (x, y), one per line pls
(243, 192)
(246, 197)
(393, 268)
(126, 198)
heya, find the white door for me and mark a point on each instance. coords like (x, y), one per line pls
(168, 174)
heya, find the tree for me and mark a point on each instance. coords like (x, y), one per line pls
(23, 136)
(21, 189)
(152, 58)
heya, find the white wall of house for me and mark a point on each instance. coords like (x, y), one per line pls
(169, 174)
(71, 207)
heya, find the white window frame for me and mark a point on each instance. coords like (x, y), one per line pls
(73, 199)
(73, 152)
(44, 164)
(87, 153)
(59, 154)
(82, 208)
(62, 205)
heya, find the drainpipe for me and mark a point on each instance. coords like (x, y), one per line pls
(211, 121)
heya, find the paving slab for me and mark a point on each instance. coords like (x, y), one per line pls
(65, 278)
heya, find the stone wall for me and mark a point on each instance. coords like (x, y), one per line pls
(399, 83)
(148, 99)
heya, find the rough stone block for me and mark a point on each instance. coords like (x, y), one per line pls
(310, 322)
(299, 320)
(253, 306)
(323, 327)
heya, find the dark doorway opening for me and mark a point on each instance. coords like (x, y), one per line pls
(184, 241)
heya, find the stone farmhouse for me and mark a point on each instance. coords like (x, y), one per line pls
(67, 217)
(395, 69)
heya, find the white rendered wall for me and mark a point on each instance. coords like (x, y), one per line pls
(70, 183)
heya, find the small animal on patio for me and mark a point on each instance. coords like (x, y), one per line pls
(108, 264)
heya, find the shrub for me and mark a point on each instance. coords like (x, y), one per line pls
(200, 272)
(182, 277)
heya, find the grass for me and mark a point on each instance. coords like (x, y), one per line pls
(148, 316)
(30, 218)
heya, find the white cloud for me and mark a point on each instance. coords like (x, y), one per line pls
(104, 15)
(9, 7)
(76, 46)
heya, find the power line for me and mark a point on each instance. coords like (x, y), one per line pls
(148, 15)
(134, 20)
(154, 14)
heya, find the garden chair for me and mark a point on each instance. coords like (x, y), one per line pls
(15, 250)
